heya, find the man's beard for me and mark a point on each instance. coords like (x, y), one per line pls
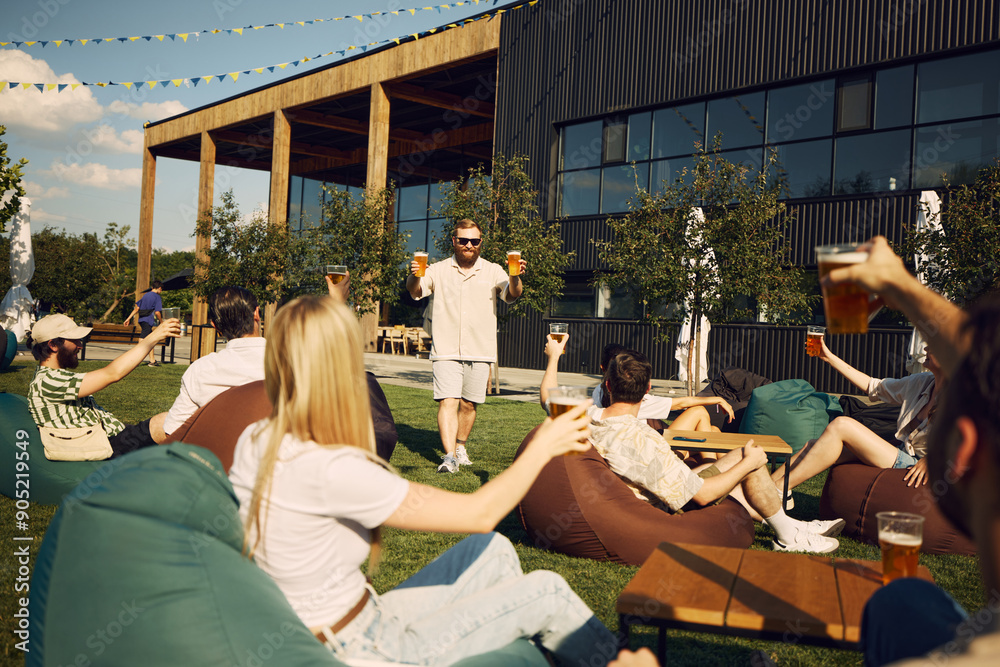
(67, 358)
(464, 262)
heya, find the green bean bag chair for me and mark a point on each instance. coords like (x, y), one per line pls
(790, 409)
(8, 348)
(148, 570)
(27, 474)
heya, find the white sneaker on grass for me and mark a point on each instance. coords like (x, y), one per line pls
(829, 528)
(448, 464)
(807, 542)
(461, 457)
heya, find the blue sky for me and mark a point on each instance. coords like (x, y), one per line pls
(84, 145)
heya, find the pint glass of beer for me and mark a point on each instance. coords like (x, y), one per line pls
(559, 330)
(900, 535)
(846, 306)
(514, 262)
(337, 272)
(420, 257)
(814, 340)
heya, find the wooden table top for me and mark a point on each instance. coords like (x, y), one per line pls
(724, 442)
(795, 597)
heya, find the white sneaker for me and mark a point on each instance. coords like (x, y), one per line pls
(830, 528)
(461, 456)
(807, 542)
(448, 464)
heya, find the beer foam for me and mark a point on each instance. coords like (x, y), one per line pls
(842, 257)
(901, 539)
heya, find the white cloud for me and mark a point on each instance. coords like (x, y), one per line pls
(96, 175)
(39, 191)
(104, 139)
(35, 113)
(38, 215)
(147, 111)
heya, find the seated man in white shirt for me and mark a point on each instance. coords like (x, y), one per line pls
(234, 313)
(645, 461)
(695, 416)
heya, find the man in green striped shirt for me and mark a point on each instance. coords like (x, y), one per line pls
(60, 398)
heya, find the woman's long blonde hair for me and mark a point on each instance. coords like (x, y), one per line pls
(315, 377)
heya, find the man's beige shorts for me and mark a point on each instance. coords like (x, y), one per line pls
(460, 379)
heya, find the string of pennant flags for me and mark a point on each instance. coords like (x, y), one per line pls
(184, 36)
(234, 76)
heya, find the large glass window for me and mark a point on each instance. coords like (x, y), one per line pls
(872, 163)
(581, 145)
(955, 150)
(580, 192)
(677, 129)
(854, 103)
(412, 202)
(801, 112)
(804, 168)
(894, 97)
(962, 87)
(740, 119)
(640, 130)
(620, 185)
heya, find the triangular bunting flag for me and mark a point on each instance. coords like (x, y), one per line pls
(207, 79)
(30, 43)
(17, 44)
(360, 18)
(152, 84)
(69, 42)
(127, 84)
(83, 42)
(159, 37)
(259, 70)
(177, 82)
(309, 22)
(26, 85)
(412, 11)
(271, 69)
(235, 75)
(257, 27)
(4, 43)
(122, 39)
(283, 65)
(295, 63)
(98, 40)
(60, 87)
(12, 85)
(102, 84)
(183, 35)
(43, 44)
(132, 39)
(50, 86)
(246, 71)
(147, 37)
(195, 81)
(164, 83)
(280, 25)
(74, 86)
(40, 87)
(238, 31)
(221, 77)
(396, 39)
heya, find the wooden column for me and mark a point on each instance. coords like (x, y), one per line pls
(145, 247)
(205, 342)
(277, 208)
(378, 166)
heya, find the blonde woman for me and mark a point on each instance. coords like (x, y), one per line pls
(313, 496)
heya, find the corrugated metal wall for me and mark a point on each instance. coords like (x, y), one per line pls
(563, 60)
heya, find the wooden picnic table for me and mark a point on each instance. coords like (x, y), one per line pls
(805, 598)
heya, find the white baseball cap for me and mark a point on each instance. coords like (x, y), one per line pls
(57, 326)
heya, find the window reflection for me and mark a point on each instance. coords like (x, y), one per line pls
(872, 163)
(740, 119)
(581, 145)
(665, 172)
(959, 150)
(958, 87)
(801, 112)
(639, 134)
(677, 129)
(579, 192)
(620, 185)
(894, 97)
(411, 202)
(804, 169)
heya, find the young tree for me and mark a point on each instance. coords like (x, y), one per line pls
(10, 180)
(266, 259)
(505, 203)
(68, 272)
(963, 252)
(359, 233)
(661, 250)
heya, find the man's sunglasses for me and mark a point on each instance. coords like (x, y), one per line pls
(464, 241)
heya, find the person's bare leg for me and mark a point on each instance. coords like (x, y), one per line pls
(693, 419)
(466, 418)
(448, 423)
(843, 440)
(156, 428)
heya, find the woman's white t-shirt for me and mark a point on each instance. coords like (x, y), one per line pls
(323, 503)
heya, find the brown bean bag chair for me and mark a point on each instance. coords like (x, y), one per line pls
(856, 493)
(579, 507)
(217, 425)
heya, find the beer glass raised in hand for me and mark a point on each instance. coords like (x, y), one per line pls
(845, 305)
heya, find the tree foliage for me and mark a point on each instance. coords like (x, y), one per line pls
(718, 265)
(359, 233)
(505, 203)
(963, 263)
(66, 273)
(10, 179)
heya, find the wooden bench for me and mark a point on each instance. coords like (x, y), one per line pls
(122, 333)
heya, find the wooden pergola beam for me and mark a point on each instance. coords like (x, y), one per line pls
(470, 105)
(267, 142)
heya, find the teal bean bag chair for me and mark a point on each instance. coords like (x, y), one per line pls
(8, 348)
(790, 409)
(47, 481)
(147, 570)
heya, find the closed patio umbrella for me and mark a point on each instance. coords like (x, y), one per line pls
(928, 217)
(15, 309)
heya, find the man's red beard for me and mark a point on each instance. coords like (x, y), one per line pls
(67, 358)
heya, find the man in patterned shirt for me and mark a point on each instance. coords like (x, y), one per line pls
(60, 398)
(644, 460)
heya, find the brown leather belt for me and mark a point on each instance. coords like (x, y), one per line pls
(348, 617)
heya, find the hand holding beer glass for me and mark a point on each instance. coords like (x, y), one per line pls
(814, 340)
(845, 305)
(559, 331)
(900, 535)
(564, 398)
(420, 260)
(513, 262)
(337, 272)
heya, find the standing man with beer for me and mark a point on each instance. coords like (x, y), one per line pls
(464, 340)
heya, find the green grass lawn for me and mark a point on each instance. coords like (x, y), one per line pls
(500, 427)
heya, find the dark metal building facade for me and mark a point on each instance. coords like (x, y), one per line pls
(564, 61)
